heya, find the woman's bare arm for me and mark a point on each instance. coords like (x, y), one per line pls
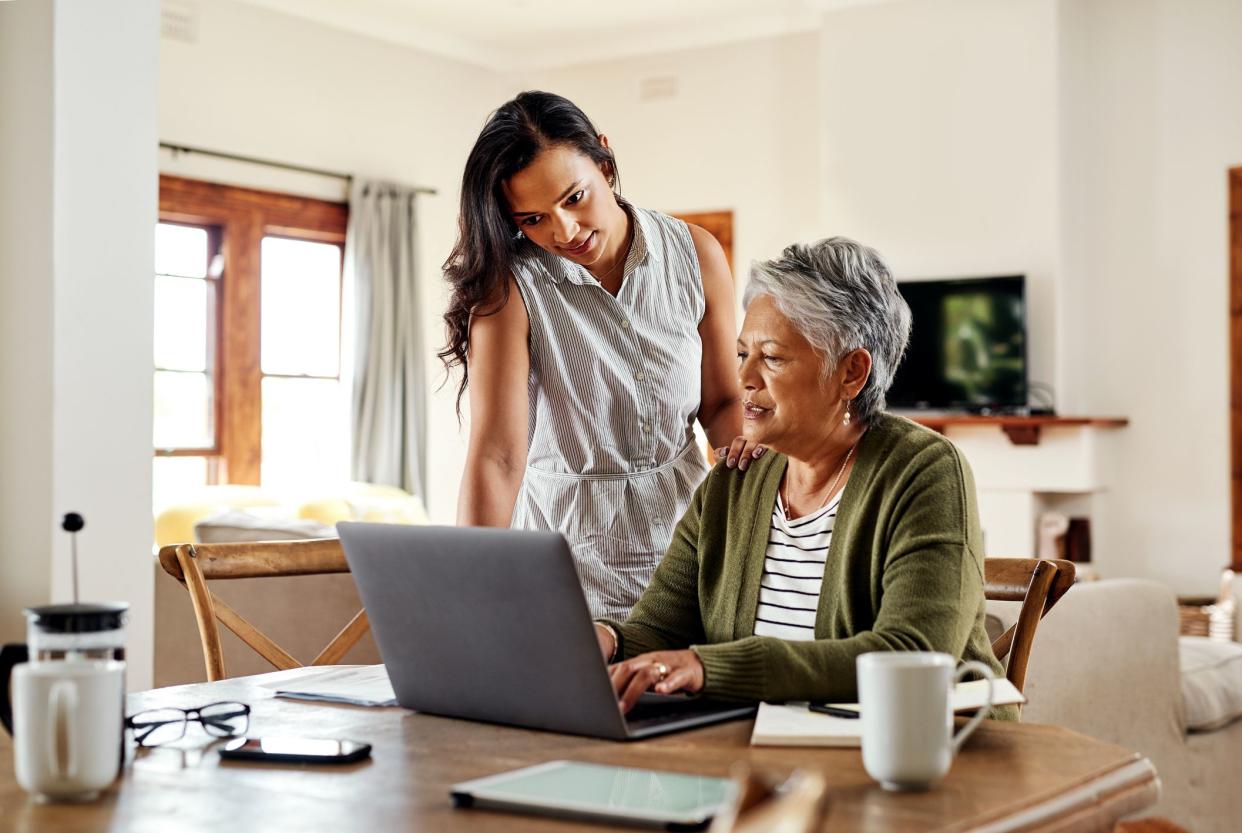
(720, 401)
(499, 360)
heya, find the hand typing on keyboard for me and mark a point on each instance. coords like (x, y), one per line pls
(663, 672)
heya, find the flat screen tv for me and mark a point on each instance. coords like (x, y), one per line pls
(967, 346)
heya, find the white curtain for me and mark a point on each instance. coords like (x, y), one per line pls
(389, 414)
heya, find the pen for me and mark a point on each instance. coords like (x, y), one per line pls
(835, 711)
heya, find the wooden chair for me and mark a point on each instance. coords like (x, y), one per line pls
(1038, 584)
(194, 564)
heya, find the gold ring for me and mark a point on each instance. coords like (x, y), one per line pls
(661, 669)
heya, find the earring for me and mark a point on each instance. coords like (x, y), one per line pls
(846, 419)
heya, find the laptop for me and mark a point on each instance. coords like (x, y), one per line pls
(492, 625)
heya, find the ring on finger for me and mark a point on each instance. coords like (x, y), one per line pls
(661, 669)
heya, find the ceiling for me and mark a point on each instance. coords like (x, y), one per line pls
(534, 34)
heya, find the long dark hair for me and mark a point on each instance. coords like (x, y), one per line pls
(487, 240)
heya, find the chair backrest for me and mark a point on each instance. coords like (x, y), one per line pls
(194, 564)
(1038, 584)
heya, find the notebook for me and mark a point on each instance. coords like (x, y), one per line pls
(792, 724)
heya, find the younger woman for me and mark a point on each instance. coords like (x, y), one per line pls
(591, 335)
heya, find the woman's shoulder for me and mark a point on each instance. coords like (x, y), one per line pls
(662, 231)
(652, 217)
(901, 447)
(904, 439)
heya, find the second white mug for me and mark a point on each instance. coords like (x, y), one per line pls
(907, 715)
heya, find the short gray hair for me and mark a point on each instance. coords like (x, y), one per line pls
(841, 297)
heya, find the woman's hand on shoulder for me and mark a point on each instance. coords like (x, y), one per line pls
(740, 453)
(664, 672)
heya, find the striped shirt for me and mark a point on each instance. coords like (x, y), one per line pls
(614, 392)
(793, 572)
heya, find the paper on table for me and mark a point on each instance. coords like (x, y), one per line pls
(358, 685)
(792, 724)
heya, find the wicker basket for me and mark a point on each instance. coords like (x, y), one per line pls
(1195, 616)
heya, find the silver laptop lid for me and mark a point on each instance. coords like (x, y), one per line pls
(486, 624)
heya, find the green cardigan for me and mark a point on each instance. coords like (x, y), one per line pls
(904, 573)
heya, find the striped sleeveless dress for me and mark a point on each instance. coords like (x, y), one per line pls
(614, 392)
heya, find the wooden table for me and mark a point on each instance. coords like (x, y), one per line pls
(1009, 777)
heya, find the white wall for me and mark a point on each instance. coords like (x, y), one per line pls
(25, 310)
(267, 85)
(1163, 126)
(741, 134)
(79, 108)
(938, 141)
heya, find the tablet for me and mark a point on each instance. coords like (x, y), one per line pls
(672, 800)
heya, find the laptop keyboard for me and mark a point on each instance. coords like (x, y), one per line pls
(657, 709)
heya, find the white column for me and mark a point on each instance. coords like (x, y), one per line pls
(25, 310)
(79, 81)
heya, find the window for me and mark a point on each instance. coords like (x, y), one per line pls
(247, 340)
(186, 296)
(305, 409)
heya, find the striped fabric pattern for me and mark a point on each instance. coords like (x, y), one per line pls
(614, 392)
(793, 572)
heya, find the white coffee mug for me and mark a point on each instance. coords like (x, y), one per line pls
(907, 715)
(67, 727)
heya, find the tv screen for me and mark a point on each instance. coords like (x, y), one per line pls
(967, 345)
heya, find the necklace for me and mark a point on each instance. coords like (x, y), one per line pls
(621, 258)
(831, 489)
(620, 261)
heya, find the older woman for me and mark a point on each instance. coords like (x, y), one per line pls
(860, 535)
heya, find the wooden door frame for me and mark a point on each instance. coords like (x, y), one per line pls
(1235, 361)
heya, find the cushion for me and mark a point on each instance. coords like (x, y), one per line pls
(1211, 682)
(366, 502)
(175, 523)
(234, 526)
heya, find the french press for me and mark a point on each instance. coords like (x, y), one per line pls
(64, 633)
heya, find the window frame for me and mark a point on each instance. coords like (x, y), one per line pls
(241, 218)
(212, 451)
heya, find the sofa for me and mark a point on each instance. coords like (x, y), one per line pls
(219, 514)
(1108, 661)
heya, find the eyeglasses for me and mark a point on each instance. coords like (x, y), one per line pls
(156, 726)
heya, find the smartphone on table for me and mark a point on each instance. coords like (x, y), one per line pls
(295, 750)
